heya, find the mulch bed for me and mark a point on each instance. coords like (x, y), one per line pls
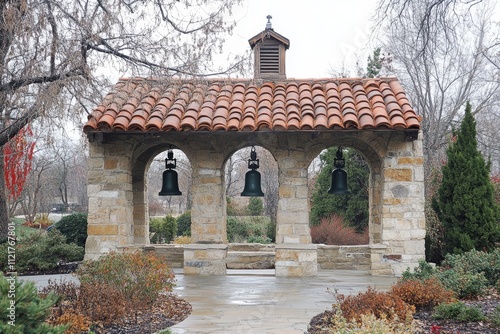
(168, 311)
(427, 325)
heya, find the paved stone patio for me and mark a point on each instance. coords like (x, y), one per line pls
(256, 301)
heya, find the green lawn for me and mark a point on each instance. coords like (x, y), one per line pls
(22, 230)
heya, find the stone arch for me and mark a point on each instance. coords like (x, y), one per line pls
(266, 168)
(143, 158)
(367, 148)
(345, 198)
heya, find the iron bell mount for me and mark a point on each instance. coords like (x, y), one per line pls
(339, 175)
(170, 178)
(252, 177)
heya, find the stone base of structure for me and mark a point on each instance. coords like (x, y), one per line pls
(205, 259)
(296, 260)
(386, 263)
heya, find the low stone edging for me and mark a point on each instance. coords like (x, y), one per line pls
(262, 256)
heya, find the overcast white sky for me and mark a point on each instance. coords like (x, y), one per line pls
(322, 33)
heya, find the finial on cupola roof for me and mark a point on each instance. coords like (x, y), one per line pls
(269, 53)
(269, 26)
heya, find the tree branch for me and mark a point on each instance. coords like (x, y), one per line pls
(18, 83)
(9, 132)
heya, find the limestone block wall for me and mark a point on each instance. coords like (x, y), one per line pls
(356, 257)
(262, 256)
(295, 255)
(109, 190)
(402, 209)
(293, 202)
(208, 209)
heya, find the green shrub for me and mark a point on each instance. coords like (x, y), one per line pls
(164, 229)
(258, 239)
(271, 231)
(74, 227)
(476, 262)
(239, 229)
(458, 311)
(422, 272)
(255, 206)
(464, 284)
(135, 280)
(41, 251)
(30, 310)
(184, 224)
(495, 317)
(468, 274)
(235, 228)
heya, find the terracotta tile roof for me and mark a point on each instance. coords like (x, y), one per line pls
(140, 105)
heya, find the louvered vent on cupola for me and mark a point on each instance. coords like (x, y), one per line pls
(269, 53)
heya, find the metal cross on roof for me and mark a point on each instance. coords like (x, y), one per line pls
(269, 26)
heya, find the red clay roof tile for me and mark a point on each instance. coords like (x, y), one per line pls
(139, 104)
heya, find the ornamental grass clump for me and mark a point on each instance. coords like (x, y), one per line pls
(367, 324)
(334, 231)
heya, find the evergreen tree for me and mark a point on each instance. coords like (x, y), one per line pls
(464, 202)
(255, 206)
(23, 311)
(374, 64)
(352, 207)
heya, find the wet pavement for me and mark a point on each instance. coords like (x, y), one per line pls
(255, 301)
(258, 302)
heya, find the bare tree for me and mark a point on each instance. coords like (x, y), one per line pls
(32, 198)
(235, 169)
(443, 60)
(434, 13)
(53, 52)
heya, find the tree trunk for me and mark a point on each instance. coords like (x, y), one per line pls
(4, 209)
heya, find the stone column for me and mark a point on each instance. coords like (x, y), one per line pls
(110, 198)
(295, 254)
(207, 254)
(403, 217)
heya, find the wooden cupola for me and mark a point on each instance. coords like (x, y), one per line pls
(269, 53)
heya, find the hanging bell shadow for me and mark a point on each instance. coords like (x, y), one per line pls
(252, 177)
(170, 185)
(339, 176)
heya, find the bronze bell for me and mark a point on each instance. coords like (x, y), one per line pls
(252, 177)
(170, 178)
(339, 176)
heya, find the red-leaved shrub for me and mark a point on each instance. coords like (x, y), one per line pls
(333, 231)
